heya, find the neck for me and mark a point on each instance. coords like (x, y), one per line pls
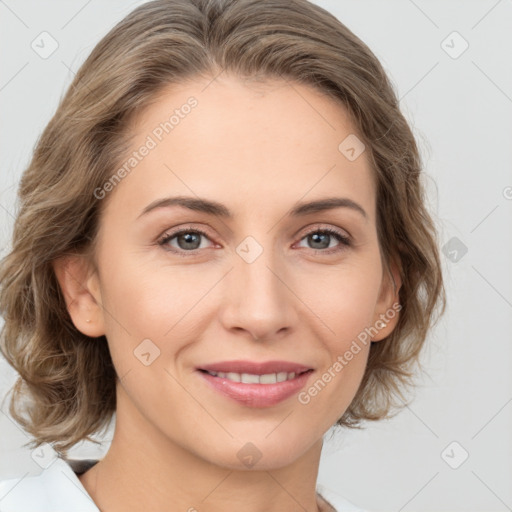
(145, 470)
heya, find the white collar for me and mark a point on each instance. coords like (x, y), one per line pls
(56, 489)
(340, 503)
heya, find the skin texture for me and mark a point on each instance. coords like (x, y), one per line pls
(258, 148)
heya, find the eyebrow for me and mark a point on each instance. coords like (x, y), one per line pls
(214, 208)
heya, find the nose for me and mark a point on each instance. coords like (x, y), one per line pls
(258, 298)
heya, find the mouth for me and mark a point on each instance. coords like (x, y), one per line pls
(255, 368)
(254, 378)
(256, 384)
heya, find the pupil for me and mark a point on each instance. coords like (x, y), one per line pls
(323, 236)
(189, 239)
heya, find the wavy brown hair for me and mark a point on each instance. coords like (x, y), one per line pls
(65, 391)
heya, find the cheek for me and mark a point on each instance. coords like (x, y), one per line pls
(142, 304)
(343, 299)
(344, 307)
(150, 299)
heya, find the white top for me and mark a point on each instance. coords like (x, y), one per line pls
(58, 489)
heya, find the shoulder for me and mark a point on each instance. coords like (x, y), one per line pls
(56, 489)
(337, 501)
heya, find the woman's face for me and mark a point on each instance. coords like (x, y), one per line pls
(264, 283)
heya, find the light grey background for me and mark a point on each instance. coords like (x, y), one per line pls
(460, 108)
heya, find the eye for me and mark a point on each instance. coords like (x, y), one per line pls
(321, 240)
(188, 240)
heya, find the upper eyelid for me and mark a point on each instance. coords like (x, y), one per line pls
(312, 226)
(170, 234)
(319, 227)
(174, 232)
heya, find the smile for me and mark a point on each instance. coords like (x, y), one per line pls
(251, 378)
(256, 390)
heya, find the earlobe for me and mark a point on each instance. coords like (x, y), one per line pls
(388, 306)
(80, 288)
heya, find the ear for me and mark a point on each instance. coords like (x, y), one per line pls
(80, 286)
(388, 305)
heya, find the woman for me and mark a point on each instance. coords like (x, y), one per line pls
(222, 239)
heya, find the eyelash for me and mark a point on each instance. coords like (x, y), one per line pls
(345, 241)
(169, 236)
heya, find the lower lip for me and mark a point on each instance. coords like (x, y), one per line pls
(257, 395)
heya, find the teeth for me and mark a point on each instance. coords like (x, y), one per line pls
(269, 378)
(249, 378)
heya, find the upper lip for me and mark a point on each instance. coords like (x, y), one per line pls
(255, 368)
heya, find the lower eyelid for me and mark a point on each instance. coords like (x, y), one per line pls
(343, 240)
(167, 237)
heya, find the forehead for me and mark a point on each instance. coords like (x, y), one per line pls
(252, 145)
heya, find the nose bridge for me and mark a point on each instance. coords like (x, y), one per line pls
(258, 299)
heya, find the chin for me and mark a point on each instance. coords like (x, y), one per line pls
(260, 454)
